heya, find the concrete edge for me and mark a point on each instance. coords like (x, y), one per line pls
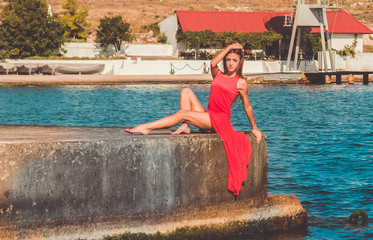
(235, 219)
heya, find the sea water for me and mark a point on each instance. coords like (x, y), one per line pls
(319, 137)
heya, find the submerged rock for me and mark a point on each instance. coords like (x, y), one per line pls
(354, 218)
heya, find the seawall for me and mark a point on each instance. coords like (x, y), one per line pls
(74, 182)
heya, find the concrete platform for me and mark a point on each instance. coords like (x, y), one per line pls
(86, 182)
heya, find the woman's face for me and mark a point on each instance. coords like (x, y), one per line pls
(231, 61)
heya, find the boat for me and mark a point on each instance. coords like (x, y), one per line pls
(80, 68)
(7, 68)
(27, 68)
(48, 69)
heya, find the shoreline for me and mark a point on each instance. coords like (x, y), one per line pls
(107, 79)
(96, 79)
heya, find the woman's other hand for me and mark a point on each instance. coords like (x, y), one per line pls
(257, 134)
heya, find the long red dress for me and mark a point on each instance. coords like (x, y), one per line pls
(237, 146)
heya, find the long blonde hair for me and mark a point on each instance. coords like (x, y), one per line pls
(240, 53)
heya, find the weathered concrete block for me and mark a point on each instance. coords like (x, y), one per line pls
(76, 182)
(72, 172)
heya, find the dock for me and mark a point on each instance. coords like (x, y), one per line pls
(326, 77)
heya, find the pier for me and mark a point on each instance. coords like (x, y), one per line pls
(89, 182)
(326, 77)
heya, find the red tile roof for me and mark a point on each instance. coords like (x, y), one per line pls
(342, 22)
(252, 22)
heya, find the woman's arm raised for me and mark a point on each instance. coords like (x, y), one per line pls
(215, 61)
(243, 87)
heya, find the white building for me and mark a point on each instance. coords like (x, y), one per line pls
(343, 27)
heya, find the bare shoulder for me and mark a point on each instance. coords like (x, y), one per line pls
(242, 84)
(215, 71)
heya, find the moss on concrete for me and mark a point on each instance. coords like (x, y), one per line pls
(222, 231)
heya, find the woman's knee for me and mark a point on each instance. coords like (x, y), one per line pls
(186, 92)
(192, 117)
(182, 114)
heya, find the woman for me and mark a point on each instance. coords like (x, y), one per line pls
(224, 89)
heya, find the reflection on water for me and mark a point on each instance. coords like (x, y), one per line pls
(320, 138)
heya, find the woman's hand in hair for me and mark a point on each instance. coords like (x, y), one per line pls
(236, 46)
(214, 62)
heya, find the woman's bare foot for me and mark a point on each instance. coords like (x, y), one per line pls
(138, 129)
(184, 128)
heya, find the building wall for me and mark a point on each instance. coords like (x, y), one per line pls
(361, 62)
(93, 50)
(169, 28)
(90, 50)
(147, 50)
(339, 41)
(340, 61)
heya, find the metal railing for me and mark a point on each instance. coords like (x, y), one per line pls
(205, 68)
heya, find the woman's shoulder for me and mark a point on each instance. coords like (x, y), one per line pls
(217, 74)
(242, 83)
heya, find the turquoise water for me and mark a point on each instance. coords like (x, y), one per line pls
(320, 138)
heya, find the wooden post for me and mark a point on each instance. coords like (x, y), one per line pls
(338, 78)
(351, 78)
(328, 79)
(365, 78)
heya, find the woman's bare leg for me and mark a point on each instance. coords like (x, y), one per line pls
(198, 119)
(188, 105)
(188, 101)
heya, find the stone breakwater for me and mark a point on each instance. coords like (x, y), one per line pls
(86, 182)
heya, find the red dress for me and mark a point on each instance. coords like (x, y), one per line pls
(237, 146)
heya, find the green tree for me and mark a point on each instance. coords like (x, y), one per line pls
(189, 37)
(270, 37)
(74, 20)
(26, 29)
(195, 39)
(227, 37)
(249, 40)
(162, 38)
(113, 30)
(208, 38)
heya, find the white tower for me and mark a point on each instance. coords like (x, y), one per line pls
(310, 13)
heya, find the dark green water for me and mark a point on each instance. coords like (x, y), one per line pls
(320, 138)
